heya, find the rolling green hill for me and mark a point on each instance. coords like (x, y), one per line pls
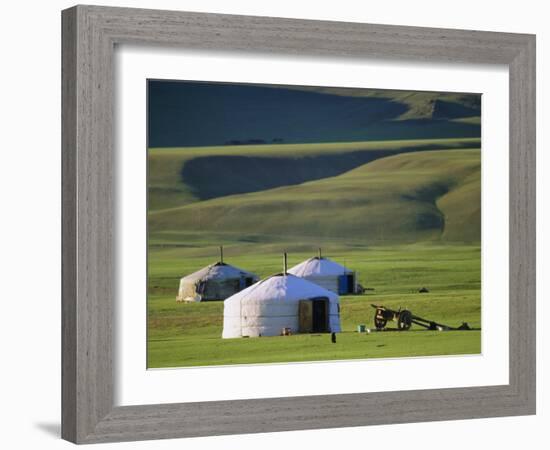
(416, 104)
(428, 195)
(180, 176)
(185, 114)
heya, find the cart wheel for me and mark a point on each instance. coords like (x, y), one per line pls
(379, 323)
(404, 321)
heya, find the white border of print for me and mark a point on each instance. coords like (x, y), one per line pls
(135, 385)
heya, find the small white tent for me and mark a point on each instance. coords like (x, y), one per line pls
(214, 282)
(278, 302)
(327, 274)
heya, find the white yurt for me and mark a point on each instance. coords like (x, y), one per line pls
(278, 305)
(328, 274)
(214, 282)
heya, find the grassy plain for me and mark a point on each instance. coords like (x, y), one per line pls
(190, 334)
(403, 214)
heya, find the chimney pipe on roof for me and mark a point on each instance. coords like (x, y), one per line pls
(320, 253)
(285, 267)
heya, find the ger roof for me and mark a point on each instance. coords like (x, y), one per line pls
(219, 270)
(318, 267)
(281, 287)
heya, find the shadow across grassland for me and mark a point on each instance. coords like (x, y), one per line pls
(235, 174)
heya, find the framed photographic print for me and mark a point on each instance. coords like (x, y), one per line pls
(306, 210)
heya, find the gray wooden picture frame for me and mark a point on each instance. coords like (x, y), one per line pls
(89, 36)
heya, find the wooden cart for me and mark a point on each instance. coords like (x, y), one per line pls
(405, 318)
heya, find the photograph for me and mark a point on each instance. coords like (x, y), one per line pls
(294, 224)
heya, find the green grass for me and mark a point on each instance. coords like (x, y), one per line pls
(211, 350)
(172, 182)
(401, 220)
(190, 334)
(408, 197)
